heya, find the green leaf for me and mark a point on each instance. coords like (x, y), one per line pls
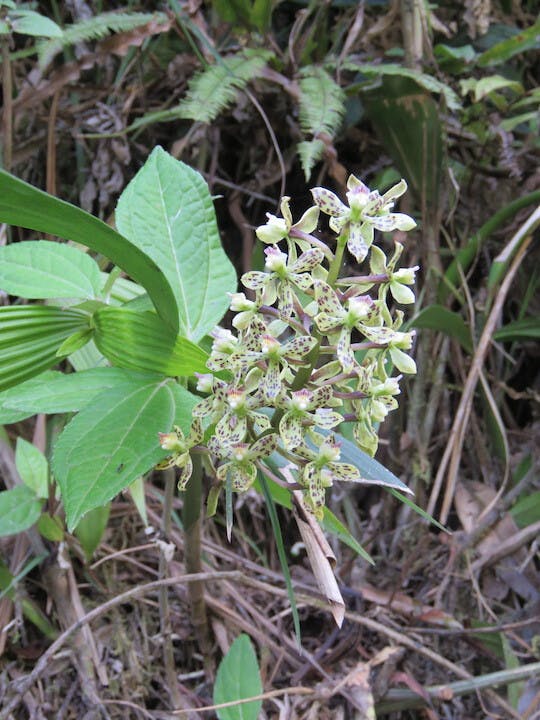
(167, 212)
(136, 490)
(19, 510)
(321, 102)
(437, 317)
(139, 340)
(213, 89)
(32, 466)
(42, 269)
(237, 678)
(28, 22)
(526, 511)
(521, 42)
(75, 342)
(30, 335)
(26, 206)
(95, 28)
(407, 501)
(485, 86)
(310, 152)
(114, 440)
(91, 527)
(428, 82)
(51, 527)
(408, 121)
(56, 392)
(372, 472)
(527, 328)
(333, 525)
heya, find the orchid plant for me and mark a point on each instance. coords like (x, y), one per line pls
(309, 350)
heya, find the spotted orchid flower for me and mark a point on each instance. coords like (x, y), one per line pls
(306, 407)
(180, 446)
(366, 212)
(398, 280)
(277, 229)
(277, 357)
(240, 460)
(333, 317)
(240, 410)
(282, 277)
(322, 470)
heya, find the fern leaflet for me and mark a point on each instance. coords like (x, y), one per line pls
(216, 87)
(322, 106)
(95, 28)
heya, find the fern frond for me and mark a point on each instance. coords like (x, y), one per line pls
(322, 102)
(310, 152)
(216, 87)
(95, 28)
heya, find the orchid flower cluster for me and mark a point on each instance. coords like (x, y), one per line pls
(309, 350)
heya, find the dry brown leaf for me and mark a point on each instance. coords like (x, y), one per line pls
(320, 556)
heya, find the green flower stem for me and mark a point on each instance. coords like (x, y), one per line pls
(331, 349)
(192, 520)
(352, 395)
(363, 279)
(304, 374)
(301, 235)
(272, 476)
(274, 312)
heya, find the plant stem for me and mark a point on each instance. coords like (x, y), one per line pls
(192, 519)
(7, 145)
(164, 612)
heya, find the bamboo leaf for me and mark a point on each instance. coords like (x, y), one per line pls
(140, 341)
(26, 206)
(30, 335)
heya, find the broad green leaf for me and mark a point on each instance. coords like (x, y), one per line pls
(528, 328)
(372, 472)
(91, 527)
(428, 82)
(56, 392)
(237, 678)
(30, 335)
(485, 86)
(114, 440)
(522, 41)
(167, 212)
(28, 22)
(408, 121)
(41, 269)
(437, 317)
(32, 466)
(87, 357)
(26, 206)
(141, 341)
(19, 510)
(526, 511)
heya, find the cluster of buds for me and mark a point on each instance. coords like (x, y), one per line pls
(310, 350)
